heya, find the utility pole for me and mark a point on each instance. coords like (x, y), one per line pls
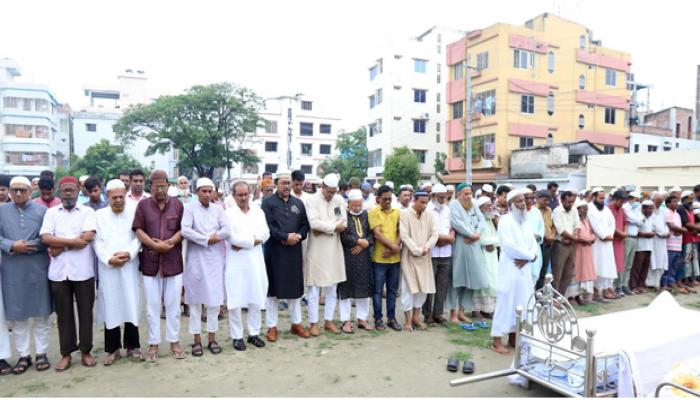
(468, 116)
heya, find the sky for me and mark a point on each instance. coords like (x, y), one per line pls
(322, 49)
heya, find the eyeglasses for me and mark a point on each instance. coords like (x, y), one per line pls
(157, 188)
(19, 191)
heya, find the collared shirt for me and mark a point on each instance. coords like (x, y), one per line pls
(673, 243)
(444, 225)
(53, 203)
(190, 199)
(687, 216)
(498, 210)
(389, 223)
(369, 203)
(644, 244)
(547, 218)
(634, 218)
(74, 264)
(130, 199)
(554, 203)
(565, 221)
(97, 206)
(161, 224)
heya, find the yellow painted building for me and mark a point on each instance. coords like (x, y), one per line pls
(545, 80)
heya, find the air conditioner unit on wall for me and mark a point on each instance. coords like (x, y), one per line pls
(425, 116)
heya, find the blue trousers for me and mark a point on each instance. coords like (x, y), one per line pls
(389, 274)
(674, 260)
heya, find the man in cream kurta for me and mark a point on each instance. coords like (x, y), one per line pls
(603, 224)
(119, 298)
(419, 233)
(325, 260)
(246, 277)
(659, 253)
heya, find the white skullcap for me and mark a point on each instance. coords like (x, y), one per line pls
(35, 180)
(355, 194)
(172, 191)
(663, 193)
(648, 203)
(390, 184)
(182, 177)
(319, 181)
(450, 188)
(580, 203)
(284, 174)
(85, 177)
(636, 194)
(330, 180)
(478, 193)
(204, 182)
(426, 184)
(439, 188)
(612, 192)
(573, 190)
(220, 190)
(115, 184)
(409, 186)
(482, 200)
(512, 194)
(510, 185)
(597, 189)
(686, 194)
(675, 189)
(20, 179)
(377, 186)
(487, 188)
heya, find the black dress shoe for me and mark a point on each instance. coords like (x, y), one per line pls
(239, 344)
(627, 291)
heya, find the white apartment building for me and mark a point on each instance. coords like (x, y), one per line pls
(96, 120)
(28, 124)
(407, 102)
(297, 135)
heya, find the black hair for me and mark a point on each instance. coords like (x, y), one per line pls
(696, 188)
(5, 181)
(619, 195)
(46, 172)
(136, 172)
(543, 193)
(123, 173)
(92, 182)
(567, 194)
(405, 189)
(266, 173)
(669, 199)
(383, 189)
(46, 183)
(502, 189)
(342, 186)
(298, 175)
(552, 184)
(532, 187)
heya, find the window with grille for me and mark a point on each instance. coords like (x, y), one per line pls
(270, 126)
(482, 61)
(458, 71)
(420, 155)
(325, 128)
(306, 129)
(527, 104)
(609, 116)
(550, 62)
(526, 142)
(608, 150)
(10, 102)
(325, 149)
(306, 105)
(271, 147)
(523, 59)
(457, 110)
(271, 168)
(307, 169)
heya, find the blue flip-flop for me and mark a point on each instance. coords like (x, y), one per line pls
(482, 324)
(469, 327)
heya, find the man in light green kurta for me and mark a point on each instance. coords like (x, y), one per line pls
(485, 299)
(468, 273)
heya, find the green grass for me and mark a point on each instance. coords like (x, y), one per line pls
(98, 350)
(593, 309)
(387, 378)
(326, 345)
(36, 386)
(696, 305)
(460, 336)
(461, 355)
(353, 376)
(79, 379)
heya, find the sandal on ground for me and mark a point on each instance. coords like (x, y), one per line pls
(379, 325)
(364, 325)
(135, 355)
(394, 325)
(256, 341)
(88, 365)
(453, 364)
(109, 362)
(469, 327)
(349, 332)
(214, 347)
(482, 324)
(21, 368)
(152, 356)
(66, 368)
(468, 367)
(42, 363)
(5, 368)
(178, 354)
(197, 352)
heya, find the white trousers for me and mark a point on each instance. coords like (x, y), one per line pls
(361, 309)
(170, 290)
(42, 334)
(235, 321)
(272, 311)
(314, 293)
(654, 277)
(410, 301)
(603, 283)
(196, 318)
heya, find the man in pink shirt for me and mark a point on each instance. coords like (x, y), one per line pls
(48, 198)
(620, 235)
(136, 184)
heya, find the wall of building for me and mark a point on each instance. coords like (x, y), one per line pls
(644, 143)
(676, 122)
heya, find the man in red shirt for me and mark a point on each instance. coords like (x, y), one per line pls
(620, 235)
(689, 267)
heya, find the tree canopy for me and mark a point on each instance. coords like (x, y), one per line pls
(440, 167)
(101, 158)
(207, 124)
(352, 158)
(402, 167)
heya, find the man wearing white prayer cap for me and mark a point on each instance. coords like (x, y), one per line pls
(450, 193)
(487, 190)
(635, 219)
(375, 187)
(645, 247)
(325, 260)
(83, 196)
(205, 226)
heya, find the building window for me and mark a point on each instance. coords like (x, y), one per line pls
(65, 125)
(608, 150)
(271, 147)
(371, 130)
(482, 61)
(609, 116)
(10, 102)
(651, 148)
(581, 82)
(306, 129)
(373, 72)
(550, 104)
(374, 158)
(27, 131)
(439, 68)
(420, 66)
(550, 62)
(437, 127)
(325, 128)
(527, 104)
(610, 78)
(372, 102)
(420, 155)
(91, 127)
(306, 105)
(627, 119)
(307, 169)
(325, 149)
(378, 95)
(270, 126)
(458, 71)
(439, 49)
(636, 148)
(437, 108)
(271, 168)
(437, 138)
(488, 146)
(16, 158)
(523, 59)
(27, 104)
(485, 102)
(581, 121)
(41, 105)
(439, 37)
(457, 149)
(457, 110)
(438, 78)
(418, 126)
(582, 42)
(306, 149)
(526, 142)
(419, 95)
(378, 126)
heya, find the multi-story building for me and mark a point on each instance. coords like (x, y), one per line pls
(28, 124)
(64, 136)
(666, 130)
(297, 135)
(406, 97)
(545, 81)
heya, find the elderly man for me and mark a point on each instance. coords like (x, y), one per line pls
(183, 190)
(157, 224)
(325, 262)
(26, 289)
(450, 193)
(441, 256)
(35, 184)
(618, 198)
(246, 279)
(659, 254)
(48, 197)
(603, 225)
(83, 196)
(515, 286)
(543, 197)
(566, 224)
(583, 257)
(534, 217)
(419, 233)
(368, 199)
(356, 240)
(119, 298)
(286, 219)
(468, 272)
(485, 299)
(645, 246)
(204, 226)
(634, 218)
(137, 180)
(69, 230)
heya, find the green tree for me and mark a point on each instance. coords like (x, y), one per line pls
(101, 158)
(402, 167)
(207, 124)
(352, 158)
(440, 167)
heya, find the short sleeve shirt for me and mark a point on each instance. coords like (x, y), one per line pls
(73, 265)
(673, 243)
(389, 223)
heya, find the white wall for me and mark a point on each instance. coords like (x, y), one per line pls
(645, 140)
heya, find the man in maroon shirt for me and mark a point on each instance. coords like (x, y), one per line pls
(157, 225)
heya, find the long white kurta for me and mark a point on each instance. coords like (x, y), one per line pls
(5, 351)
(119, 296)
(603, 224)
(659, 253)
(245, 275)
(515, 284)
(534, 217)
(324, 264)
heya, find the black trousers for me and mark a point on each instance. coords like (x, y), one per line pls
(64, 293)
(546, 257)
(435, 303)
(113, 338)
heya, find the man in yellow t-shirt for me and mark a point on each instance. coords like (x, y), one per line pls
(386, 257)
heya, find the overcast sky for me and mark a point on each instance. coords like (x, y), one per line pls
(319, 48)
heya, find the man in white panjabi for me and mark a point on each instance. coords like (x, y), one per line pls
(119, 298)
(325, 261)
(246, 277)
(603, 224)
(515, 286)
(659, 253)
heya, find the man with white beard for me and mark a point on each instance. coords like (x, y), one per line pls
(485, 299)
(515, 286)
(603, 224)
(659, 254)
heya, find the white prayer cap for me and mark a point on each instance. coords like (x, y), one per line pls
(580, 203)
(390, 184)
(204, 182)
(450, 188)
(675, 189)
(377, 185)
(330, 180)
(512, 194)
(635, 194)
(408, 185)
(487, 188)
(35, 180)
(510, 185)
(83, 178)
(220, 190)
(663, 193)
(172, 191)
(648, 203)
(478, 193)
(439, 188)
(686, 194)
(482, 200)
(181, 177)
(426, 184)
(115, 184)
(355, 194)
(612, 192)
(283, 174)
(20, 179)
(573, 190)
(597, 189)
(319, 181)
